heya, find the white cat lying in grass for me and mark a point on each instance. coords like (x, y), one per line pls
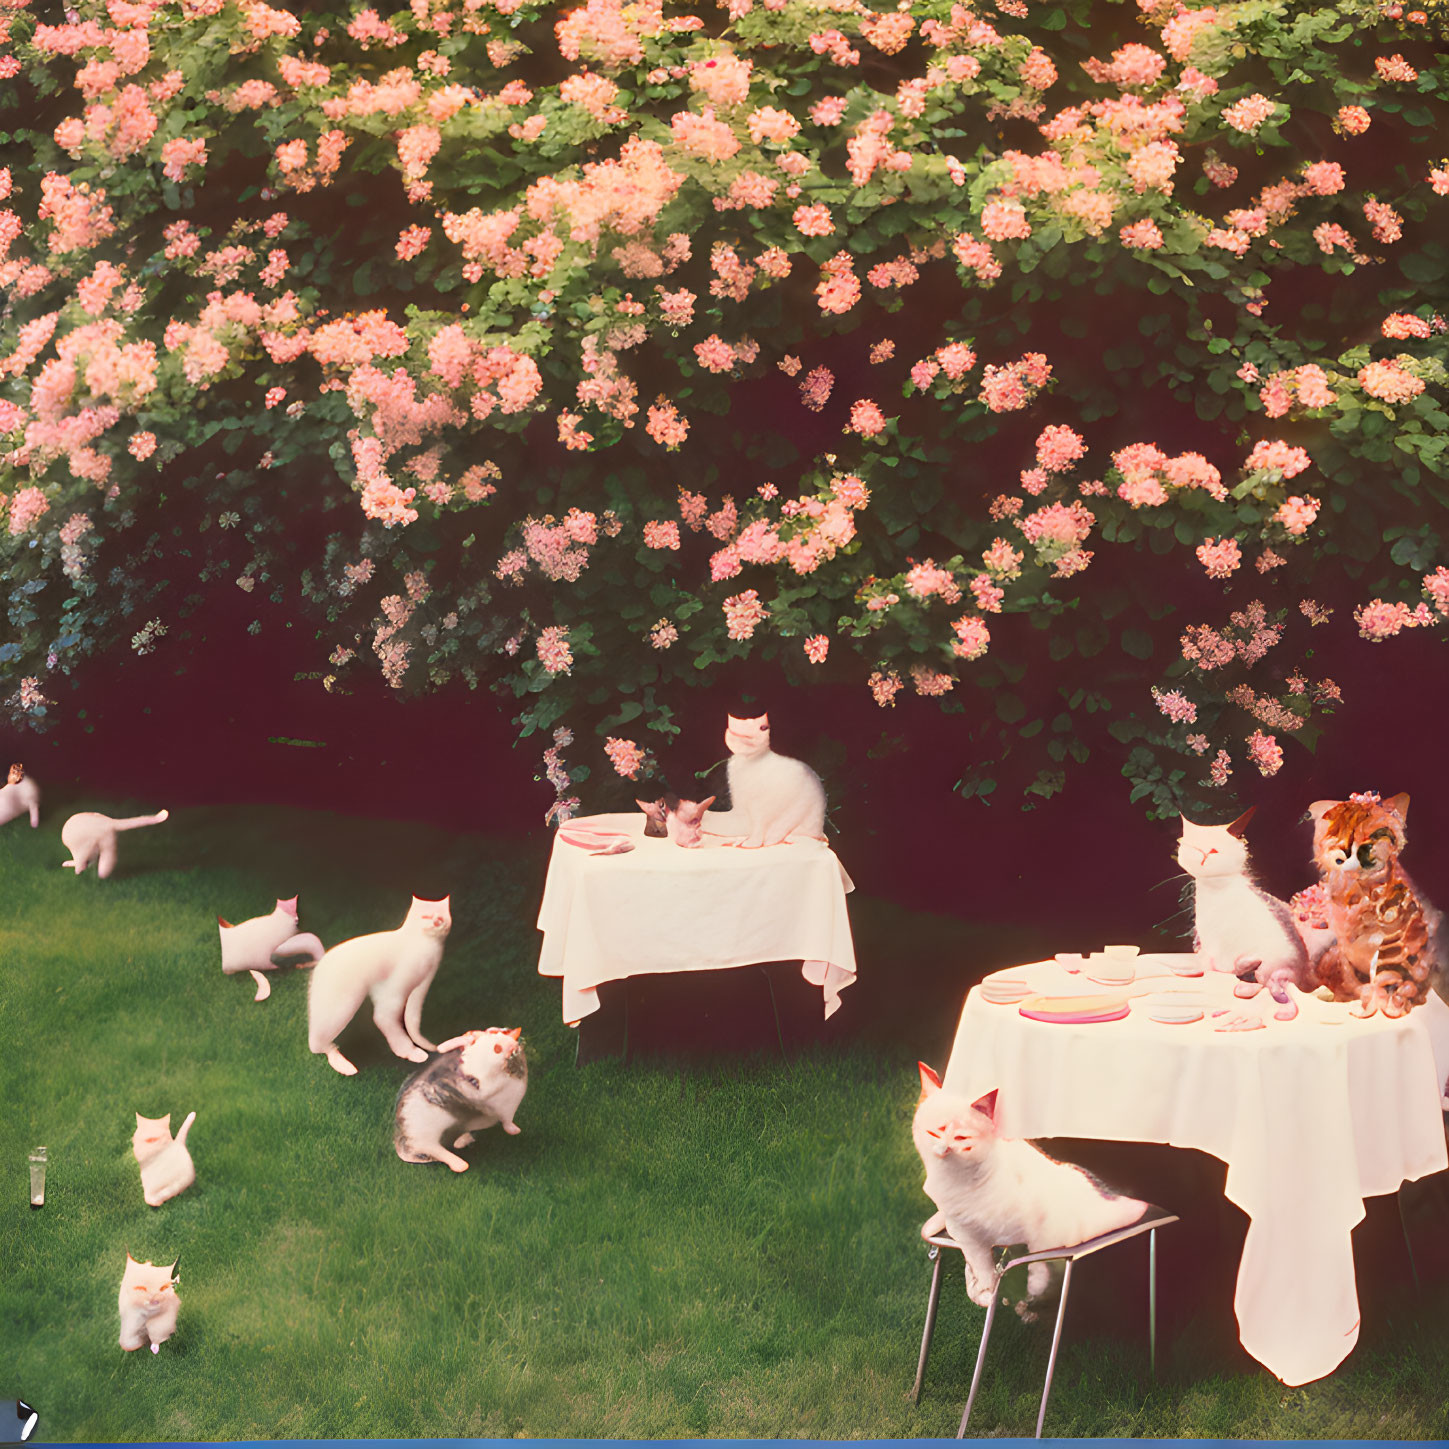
(394, 968)
(166, 1166)
(19, 796)
(251, 945)
(90, 836)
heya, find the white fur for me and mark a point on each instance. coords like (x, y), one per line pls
(994, 1191)
(1235, 922)
(92, 837)
(21, 798)
(773, 798)
(394, 968)
(149, 1305)
(251, 945)
(166, 1166)
(485, 1075)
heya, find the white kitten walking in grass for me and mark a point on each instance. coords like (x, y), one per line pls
(394, 968)
(90, 836)
(166, 1166)
(251, 945)
(19, 796)
(149, 1305)
(993, 1191)
(773, 798)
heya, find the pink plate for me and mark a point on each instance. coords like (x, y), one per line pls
(1075, 1010)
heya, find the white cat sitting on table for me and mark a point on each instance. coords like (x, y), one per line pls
(773, 798)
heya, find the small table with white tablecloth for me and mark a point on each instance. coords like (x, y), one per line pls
(1311, 1116)
(661, 908)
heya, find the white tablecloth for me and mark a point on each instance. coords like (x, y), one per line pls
(663, 908)
(1311, 1116)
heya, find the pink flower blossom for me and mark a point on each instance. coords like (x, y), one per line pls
(1378, 620)
(1353, 120)
(1221, 768)
(1249, 113)
(817, 646)
(666, 426)
(1058, 447)
(866, 418)
(1389, 382)
(884, 687)
(1297, 514)
(625, 756)
(1142, 235)
(1395, 68)
(1436, 585)
(1323, 178)
(816, 387)
(1175, 705)
(663, 634)
(27, 505)
(1265, 752)
(553, 649)
(1272, 454)
(141, 445)
(1220, 557)
(661, 535)
(972, 639)
(1402, 325)
(1387, 224)
(1004, 220)
(743, 614)
(813, 220)
(987, 594)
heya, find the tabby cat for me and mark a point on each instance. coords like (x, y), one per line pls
(1385, 935)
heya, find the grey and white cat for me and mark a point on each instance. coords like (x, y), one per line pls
(394, 968)
(773, 798)
(1238, 926)
(166, 1166)
(149, 1305)
(995, 1191)
(478, 1081)
(91, 836)
(19, 795)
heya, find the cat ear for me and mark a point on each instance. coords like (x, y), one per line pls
(929, 1080)
(224, 923)
(130, 1259)
(763, 721)
(1400, 806)
(1239, 825)
(139, 1119)
(290, 906)
(705, 804)
(1320, 808)
(986, 1105)
(514, 1032)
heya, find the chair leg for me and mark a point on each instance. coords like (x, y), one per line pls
(931, 1304)
(1152, 1301)
(980, 1356)
(1056, 1340)
(1408, 1243)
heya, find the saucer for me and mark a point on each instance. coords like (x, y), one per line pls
(1071, 1010)
(1004, 990)
(1071, 961)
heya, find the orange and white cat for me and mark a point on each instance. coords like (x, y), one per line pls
(996, 1191)
(166, 1166)
(773, 798)
(1385, 951)
(395, 969)
(91, 836)
(19, 796)
(149, 1305)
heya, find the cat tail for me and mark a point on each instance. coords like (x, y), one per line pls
(185, 1128)
(134, 822)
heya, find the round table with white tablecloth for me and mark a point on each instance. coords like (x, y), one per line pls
(1311, 1116)
(661, 907)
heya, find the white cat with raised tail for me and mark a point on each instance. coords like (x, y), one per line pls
(394, 968)
(251, 945)
(166, 1166)
(995, 1191)
(149, 1305)
(91, 836)
(19, 796)
(773, 798)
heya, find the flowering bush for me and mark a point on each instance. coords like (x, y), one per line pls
(393, 321)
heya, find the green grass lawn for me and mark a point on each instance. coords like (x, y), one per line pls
(709, 1248)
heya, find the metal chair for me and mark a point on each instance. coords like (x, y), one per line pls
(1149, 1223)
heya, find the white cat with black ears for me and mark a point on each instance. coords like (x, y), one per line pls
(773, 798)
(1238, 926)
(993, 1191)
(394, 968)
